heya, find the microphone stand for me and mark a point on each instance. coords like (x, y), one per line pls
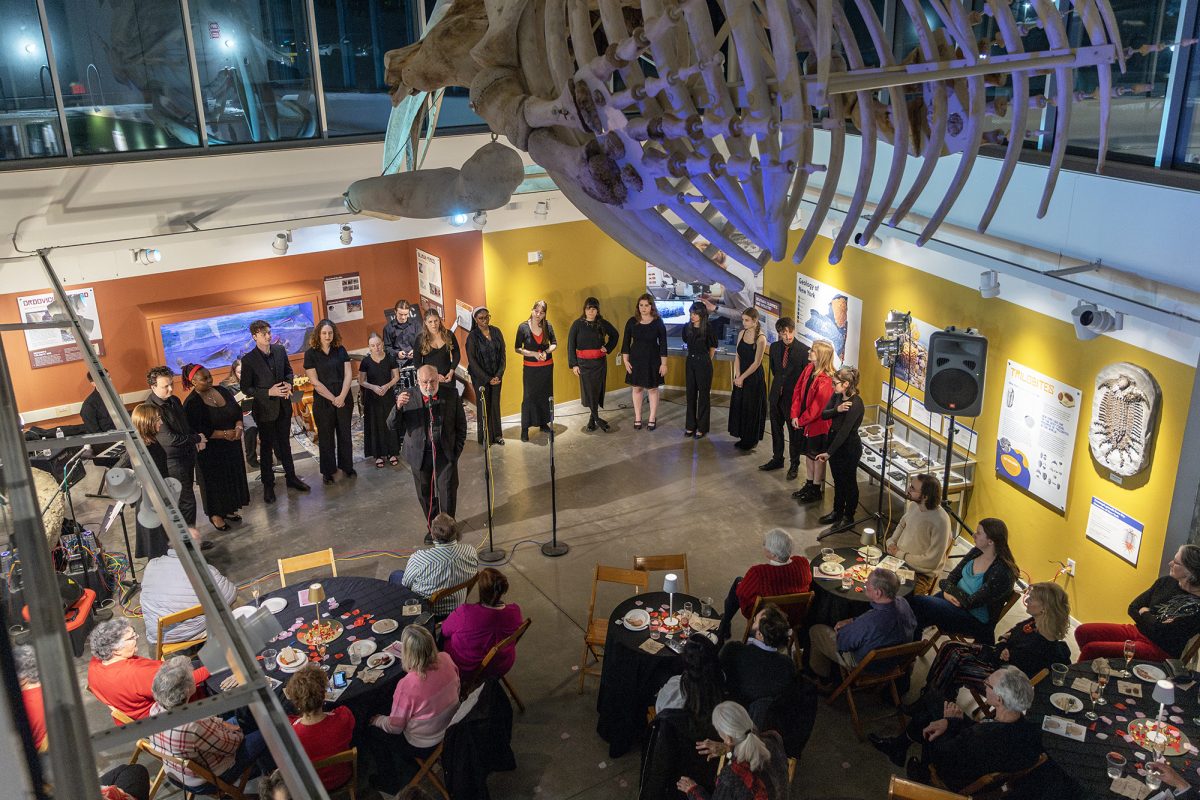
(553, 548)
(492, 554)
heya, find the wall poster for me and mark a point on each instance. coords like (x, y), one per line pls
(1039, 417)
(462, 316)
(343, 297)
(769, 312)
(825, 312)
(1115, 531)
(914, 352)
(429, 281)
(49, 347)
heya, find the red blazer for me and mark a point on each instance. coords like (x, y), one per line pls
(809, 413)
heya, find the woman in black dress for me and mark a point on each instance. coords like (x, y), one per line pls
(748, 404)
(214, 412)
(377, 374)
(486, 360)
(327, 365)
(535, 342)
(589, 342)
(701, 343)
(150, 542)
(843, 449)
(439, 347)
(644, 351)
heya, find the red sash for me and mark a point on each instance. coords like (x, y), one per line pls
(590, 354)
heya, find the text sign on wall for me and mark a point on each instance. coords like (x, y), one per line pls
(1036, 439)
(429, 280)
(826, 312)
(1115, 531)
(343, 297)
(49, 347)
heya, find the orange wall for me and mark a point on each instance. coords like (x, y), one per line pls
(389, 271)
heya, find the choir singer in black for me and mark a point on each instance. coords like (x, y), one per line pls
(589, 342)
(434, 427)
(788, 356)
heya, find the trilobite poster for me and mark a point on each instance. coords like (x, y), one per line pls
(1124, 413)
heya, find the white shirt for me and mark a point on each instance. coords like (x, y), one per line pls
(166, 589)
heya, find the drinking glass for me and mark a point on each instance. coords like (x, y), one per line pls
(687, 608)
(847, 582)
(1058, 674)
(654, 634)
(1130, 649)
(270, 660)
(1102, 682)
(1095, 695)
(873, 559)
(826, 553)
(355, 656)
(706, 606)
(1153, 776)
(1116, 765)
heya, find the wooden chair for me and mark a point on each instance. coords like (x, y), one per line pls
(163, 649)
(962, 638)
(899, 659)
(117, 714)
(317, 558)
(904, 789)
(468, 584)
(671, 563)
(224, 788)
(994, 783)
(426, 765)
(345, 757)
(596, 630)
(1189, 652)
(984, 710)
(475, 679)
(795, 606)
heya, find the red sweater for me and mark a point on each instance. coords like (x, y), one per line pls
(327, 738)
(808, 408)
(125, 684)
(771, 579)
(35, 710)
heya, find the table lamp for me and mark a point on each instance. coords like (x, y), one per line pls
(868, 537)
(316, 593)
(669, 584)
(1164, 695)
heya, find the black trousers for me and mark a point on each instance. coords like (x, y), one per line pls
(488, 409)
(184, 471)
(439, 492)
(275, 437)
(333, 435)
(843, 466)
(133, 779)
(781, 425)
(698, 375)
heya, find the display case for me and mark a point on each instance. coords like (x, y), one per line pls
(911, 451)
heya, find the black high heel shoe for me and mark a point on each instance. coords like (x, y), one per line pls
(221, 528)
(233, 517)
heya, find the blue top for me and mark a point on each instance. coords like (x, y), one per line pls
(886, 624)
(971, 583)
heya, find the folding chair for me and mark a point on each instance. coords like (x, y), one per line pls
(345, 757)
(984, 710)
(317, 558)
(426, 765)
(224, 789)
(596, 631)
(904, 789)
(895, 660)
(120, 716)
(671, 563)
(962, 638)
(468, 584)
(795, 606)
(163, 649)
(1189, 652)
(471, 682)
(994, 783)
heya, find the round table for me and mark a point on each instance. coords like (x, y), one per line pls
(629, 676)
(1084, 761)
(832, 603)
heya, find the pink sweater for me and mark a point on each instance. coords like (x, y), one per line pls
(422, 707)
(473, 629)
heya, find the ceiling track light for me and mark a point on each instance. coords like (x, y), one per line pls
(479, 219)
(347, 234)
(1090, 320)
(146, 256)
(542, 209)
(282, 240)
(458, 220)
(989, 283)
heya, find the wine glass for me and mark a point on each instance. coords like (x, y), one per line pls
(255, 592)
(1095, 695)
(1102, 682)
(1130, 648)
(1153, 776)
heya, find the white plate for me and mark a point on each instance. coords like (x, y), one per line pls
(1149, 673)
(1067, 703)
(275, 604)
(380, 661)
(831, 568)
(363, 647)
(243, 611)
(637, 619)
(383, 626)
(870, 552)
(296, 665)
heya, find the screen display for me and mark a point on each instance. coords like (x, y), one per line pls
(216, 341)
(673, 312)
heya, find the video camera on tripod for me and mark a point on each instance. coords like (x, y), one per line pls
(408, 379)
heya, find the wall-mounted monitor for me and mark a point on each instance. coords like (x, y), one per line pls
(673, 312)
(216, 341)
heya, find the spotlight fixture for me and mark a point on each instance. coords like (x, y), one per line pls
(282, 240)
(458, 220)
(896, 323)
(347, 235)
(542, 209)
(146, 256)
(989, 283)
(479, 219)
(1090, 320)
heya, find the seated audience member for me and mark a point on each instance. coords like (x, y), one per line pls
(31, 694)
(700, 686)
(1165, 616)
(783, 573)
(1031, 646)
(961, 750)
(118, 676)
(96, 418)
(166, 589)
(222, 747)
(973, 596)
(922, 538)
(272, 787)
(888, 622)
(422, 706)
(1174, 786)
(448, 563)
(757, 768)
(473, 629)
(125, 782)
(757, 668)
(322, 734)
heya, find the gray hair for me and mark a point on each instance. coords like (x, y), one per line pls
(1013, 689)
(886, 581)
(106, 636)
(778, 543)
(27, 666)
(174, 683)
(1189, 559)
(732, 720)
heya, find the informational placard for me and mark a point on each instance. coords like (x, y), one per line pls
(769, 312)
(49, 347)
(826, 312)
(914, 353)
(930, 419)
(462, 316)
(964, 435)
(1114, 530)
(429, 280)
(1039, 417)
(900, 401)
(343, 297)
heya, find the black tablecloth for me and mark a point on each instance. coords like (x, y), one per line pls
(831, 603)
(1085, 761)
(630, 677)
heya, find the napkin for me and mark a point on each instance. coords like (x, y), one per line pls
(1082, 685)
(651, 646)
(704, 624)
(1130, 787)
(1064, 727)
(370, 675)
(1129, 688)
(835, 558)
(332, 693)
(891, 563)
(906, 575)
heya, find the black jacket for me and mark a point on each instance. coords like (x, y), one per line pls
(95, 416)
(448, 419)
(844, 430)
(261, 372)
(993, 594)
(397, 337)
(478, 363)
(752, 673)
(969, 750)
(176, 435)
(783, 381)
(1173, 618)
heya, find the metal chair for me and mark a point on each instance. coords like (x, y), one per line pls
(670, 563)
(163, 649)
(896, 660)
(317, 558)
(596, 630)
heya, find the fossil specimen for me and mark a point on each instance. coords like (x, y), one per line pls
(1124, 410)
(667, 121)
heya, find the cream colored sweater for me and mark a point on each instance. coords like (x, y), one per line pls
(922, 538)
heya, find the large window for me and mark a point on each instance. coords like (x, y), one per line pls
(28, 114)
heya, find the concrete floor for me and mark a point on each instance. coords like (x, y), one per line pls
(620, 494)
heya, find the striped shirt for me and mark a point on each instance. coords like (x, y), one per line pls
(445, 564)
